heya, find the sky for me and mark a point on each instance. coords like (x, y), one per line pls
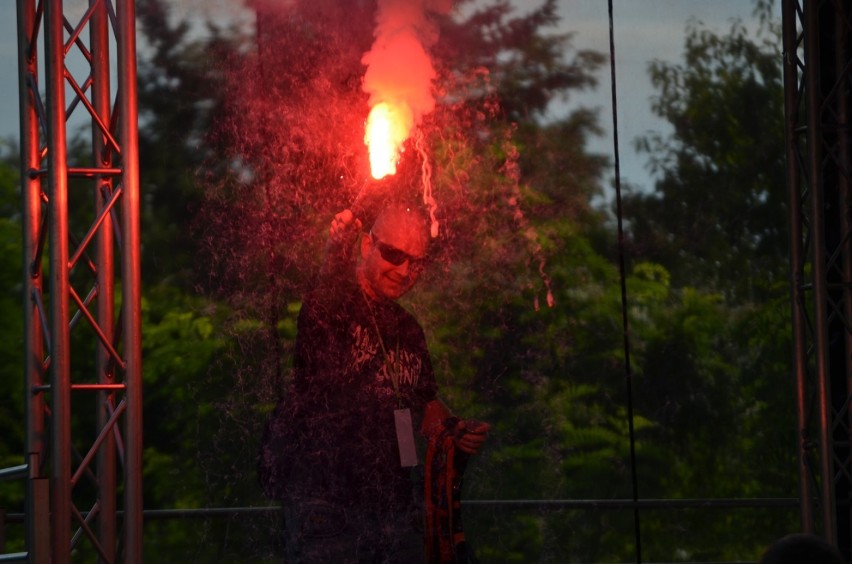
(644, 30)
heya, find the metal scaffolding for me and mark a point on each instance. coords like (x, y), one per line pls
(817, 37)
(81, 248)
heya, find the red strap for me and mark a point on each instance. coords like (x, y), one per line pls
(442, 527)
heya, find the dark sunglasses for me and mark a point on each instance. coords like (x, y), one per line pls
(396, 256)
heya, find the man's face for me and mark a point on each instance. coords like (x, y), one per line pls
(393, 256)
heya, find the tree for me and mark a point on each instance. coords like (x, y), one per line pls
(718, 212)
(289, 153)
(712, 367)
(178, 94)
(514, 221)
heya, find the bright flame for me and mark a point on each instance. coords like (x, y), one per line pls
(387, 129)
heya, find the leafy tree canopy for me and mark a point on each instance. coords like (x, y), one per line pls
(718, 212)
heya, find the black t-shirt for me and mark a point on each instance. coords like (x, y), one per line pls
(337, 421)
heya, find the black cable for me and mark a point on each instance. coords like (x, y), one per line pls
(622, 273)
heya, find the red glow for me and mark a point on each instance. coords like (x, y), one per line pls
(398, 77)
(387, 128)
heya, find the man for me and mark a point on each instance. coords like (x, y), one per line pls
(339, 450)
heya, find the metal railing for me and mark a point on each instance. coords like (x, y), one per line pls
(508, 504)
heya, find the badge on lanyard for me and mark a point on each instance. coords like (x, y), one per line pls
(405, 437)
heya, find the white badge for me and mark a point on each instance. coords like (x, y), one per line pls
(405, 437)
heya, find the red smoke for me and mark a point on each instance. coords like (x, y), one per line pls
(399, 76)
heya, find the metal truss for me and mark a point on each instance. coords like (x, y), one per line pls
(817, 38)
(81, 280)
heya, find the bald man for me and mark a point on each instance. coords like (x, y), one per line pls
(340, 450)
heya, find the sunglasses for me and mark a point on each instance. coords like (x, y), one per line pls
(396, 256)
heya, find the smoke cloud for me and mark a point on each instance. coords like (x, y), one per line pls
(399, 70)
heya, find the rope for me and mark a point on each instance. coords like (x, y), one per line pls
(622, 272)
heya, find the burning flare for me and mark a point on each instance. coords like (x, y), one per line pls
(399, 77)
(387, 129)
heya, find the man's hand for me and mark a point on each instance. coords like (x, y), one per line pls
(470, 434)
(344, 227)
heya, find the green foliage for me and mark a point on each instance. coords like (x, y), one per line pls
(719, 209)
(182, 340)
(177, 95)
(248, 148)
(710, 341)
(11, 343)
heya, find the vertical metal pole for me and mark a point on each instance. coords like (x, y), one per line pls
(841, 112)
(103, 189)
(37, 509)
(60, 354)
(797, 277)
(131, 277)
(822, 368)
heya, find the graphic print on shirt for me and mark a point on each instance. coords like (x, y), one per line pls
(365, 347)
(408, 367)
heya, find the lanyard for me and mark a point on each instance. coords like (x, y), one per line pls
(391, 365)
